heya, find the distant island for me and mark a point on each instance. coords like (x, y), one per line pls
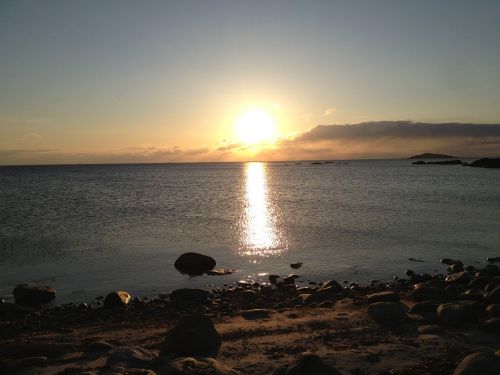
(428, 155)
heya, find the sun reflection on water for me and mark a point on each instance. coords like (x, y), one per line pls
(259, 234)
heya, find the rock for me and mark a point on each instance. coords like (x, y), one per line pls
(117, 299)
(479, 282)
(132, 357)
(296, 265)
(492, 326)
(455, 314)
(426, 293)
(493, 259)
(386, 296)
(219, 272)
(310, 364)
(11, 310)
(193, 335)
(458, 278)
(486, 163)
(98, 346)
(479, 364)
(424, 307)
(456, 267)
(186, 295)
(198, 366)
(290, 279)
(29, 362)
(493, 297)
(449, 261)
(194, 263)
(255, 314)
(32, 295)
(273, 279)
(332, 284)
(493, 310)
(330, 293)
(387, 312)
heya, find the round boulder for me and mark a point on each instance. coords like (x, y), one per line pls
(198, 366)
(387, 312)
(310, 364)
(117, 299)
(455, 314)
(193, 335)
(479, 363)
(32, 295)
(194, 263)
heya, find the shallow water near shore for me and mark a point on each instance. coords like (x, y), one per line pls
(90, 229)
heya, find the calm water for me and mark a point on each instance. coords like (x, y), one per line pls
(87, 230)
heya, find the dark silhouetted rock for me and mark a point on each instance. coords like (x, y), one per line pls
(454, 314)
(193, 335)
(255, 314)
(486, 163)
(11, 310)
(427, 293)
(187, 295)
(290, 279)
(444, 162)
(494, 310)
(493, 297)
(308, 364)
(296, 265)
(198, 366)
(387, 312)
(449, 261)
(387, 296)
(493, 259)
(491, 325)
(424, 307)
(32, 295)
(194, 263)
(428, 155)
(273, 279)
(479, 364)
(117, 299)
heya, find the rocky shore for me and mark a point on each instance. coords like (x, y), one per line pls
(447, 323)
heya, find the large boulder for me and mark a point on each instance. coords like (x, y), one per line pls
(455, 314)
(198, 366)
(32, 295)
(387, 312)
(479, 364)
(193, 336)
(188, 296)
(194, 263)
(387, 296)
(427, 293)
(117, 299)
(308, 364)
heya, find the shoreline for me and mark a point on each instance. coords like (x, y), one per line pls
(265, 327)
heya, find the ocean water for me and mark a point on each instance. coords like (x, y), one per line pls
(91, 229)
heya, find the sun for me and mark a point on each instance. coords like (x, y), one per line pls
(255, 126)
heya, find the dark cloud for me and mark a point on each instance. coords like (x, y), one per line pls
(398, 129)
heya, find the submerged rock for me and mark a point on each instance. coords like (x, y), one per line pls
(31, 295)
(194, 263)
(117, 299)
(193, 335)
(198, 366)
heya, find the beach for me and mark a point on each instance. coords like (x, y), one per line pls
(263, 328)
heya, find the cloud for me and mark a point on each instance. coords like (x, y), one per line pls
(329, 111)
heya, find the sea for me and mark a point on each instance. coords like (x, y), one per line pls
(87, 230)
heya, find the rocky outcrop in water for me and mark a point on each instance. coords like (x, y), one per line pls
(32, 295)
(486, 163)
(194, 263)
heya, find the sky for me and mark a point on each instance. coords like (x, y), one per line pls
(171, 81)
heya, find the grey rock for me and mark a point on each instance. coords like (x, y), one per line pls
(387, 312)
(194, 263)
(387, 296)
(32, 295)
(198, 366)
(479, 364)
(117, 299)
(193, 335)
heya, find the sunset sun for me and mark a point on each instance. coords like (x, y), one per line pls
(255, 126)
